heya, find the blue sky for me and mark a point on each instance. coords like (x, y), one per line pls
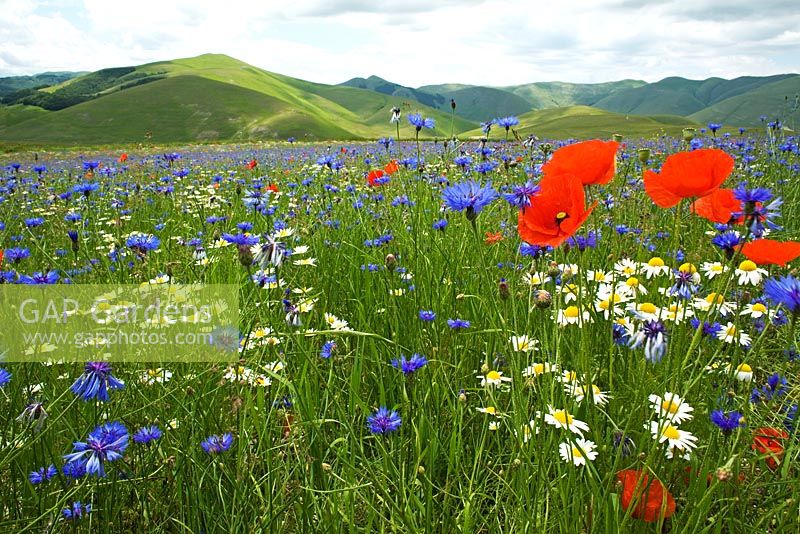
(414, 42)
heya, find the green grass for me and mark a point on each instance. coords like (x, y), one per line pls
(585, 122)
(776, 100)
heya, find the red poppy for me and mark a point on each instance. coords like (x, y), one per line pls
(768, 440)
(1, 256)
(771, 252)
(653, 499)
(556, 212)
(688, 175)
(492, 238)
(391, 167)
(373, 176)
(252, 165)
(272, 187)
(717, 207)
(594, 162)
(123, 157)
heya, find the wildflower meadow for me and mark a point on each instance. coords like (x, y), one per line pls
(492, 334)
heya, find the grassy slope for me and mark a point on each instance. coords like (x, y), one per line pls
(584, 122)
(679, 96)
(745, 109)
(217, 97)
(543, 95)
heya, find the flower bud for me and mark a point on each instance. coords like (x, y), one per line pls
(390, 262)
(543, 299)
(502, 288)
(644, 155)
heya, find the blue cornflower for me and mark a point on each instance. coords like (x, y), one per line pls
(419, 122)
(95, 382)
(487, 126)
(105, 443)
(90, 165)
(73, 216)
(34, 222)
(427, 315)
(146, 434)
(714, 126)
(470, 197)
(73, 235)
(507, 122)
(624, 444)
(520, 196)
(37, 278)
(408, 366)
(244, 226)
(776, 386)
(386, 142)
(86, 188)
(620, 334)
(463, 161)
(456, 324)
(727, 242)
(76, 511)
(383, 421)
(784, 291)
(142, 243)
(485, 167)
(709, 329)
(727, 423)
(583, 242)
(652, 334)
(327, 349)
(751, 196)
(217, 444)
(43, 474)
(534, 251)
(441, 224)
(5, 377)
(684, 286)
(241, 239)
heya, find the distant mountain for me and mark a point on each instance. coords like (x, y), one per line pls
(679, 96)
(214, 97)
(12, 84)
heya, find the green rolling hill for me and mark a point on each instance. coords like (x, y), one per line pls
(214, 97)
(586, 122)
(207, 98)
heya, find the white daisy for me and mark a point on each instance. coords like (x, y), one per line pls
(715, 300)
(578, 452)
(524, 343)
(749, 273)
(535, 279)
(712, 269)
(671, 408)
(743, 373)
(675, 438)
(633, 286)
(493, 379)
(581, 392)
(562, 419)
(601, 277)
(537, 369)
(756, 310)
(572, 315)
(645, 311)
(528, 430)
(730, 334)
(654, 267)
(570, 292)
(627, 267)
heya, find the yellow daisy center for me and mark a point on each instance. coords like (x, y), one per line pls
(747, 266)
(687, 268)
(572, 312)
(744, 368)
(731, 330)
(492, 376)
(491, 410)
(714, 298)
(632, 282)
(656, 262)
(670, 432)
(538, 368)
(758, 307)
(599, 276)
(570, 376)
(670, 406)
(717, 268)
(576, 452)
(647, 307)
(563, 417)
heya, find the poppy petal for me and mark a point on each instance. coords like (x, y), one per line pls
(771, 252)
(660, 195)
(593, 162)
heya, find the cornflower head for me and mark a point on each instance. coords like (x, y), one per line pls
(784, 291)
(470, 197)
(419, 122)
(727, 423)
(652, 334)
(95, 382)
(408, 366)
(727, 242)
(383, 421)
(217, 444)
(105, 443)
(520, 196)
(147, 434)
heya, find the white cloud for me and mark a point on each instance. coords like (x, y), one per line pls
(493, 42)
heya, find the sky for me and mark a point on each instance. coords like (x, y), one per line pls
(413, 42)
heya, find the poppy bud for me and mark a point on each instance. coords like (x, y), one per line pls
(462, 396)
(546, 148)
(617, 138)
(245, 256)
(485, 368)
(452, 104)
(644, 155)
(553, 270)
(543, 299)
(326, 467)
(390, 262)
(688, 134)
(502, 287)
(420, 470)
